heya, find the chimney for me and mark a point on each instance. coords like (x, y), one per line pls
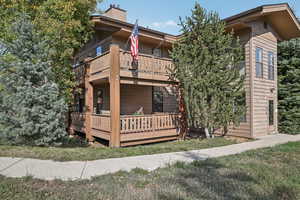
(116, 12)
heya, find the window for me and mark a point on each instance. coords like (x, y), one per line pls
(259, 62)
(271, 112)
(99, 101)
(99, 51)
(271, 66)
(157, 100)
(156, 52)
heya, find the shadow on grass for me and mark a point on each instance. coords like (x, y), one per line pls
(211, 179)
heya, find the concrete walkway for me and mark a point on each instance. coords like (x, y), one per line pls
(49, 170)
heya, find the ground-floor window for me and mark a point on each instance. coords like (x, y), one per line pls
(99, 101)
(271, 112)
(157, 100)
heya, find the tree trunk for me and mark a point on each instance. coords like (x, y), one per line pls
(207, 134)
(183, 119)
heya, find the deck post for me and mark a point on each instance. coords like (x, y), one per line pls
(114, 81)
(89, 90)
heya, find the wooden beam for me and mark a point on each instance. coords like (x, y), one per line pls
(89, 90)
(115, 96)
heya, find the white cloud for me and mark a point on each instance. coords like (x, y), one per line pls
(169, 23)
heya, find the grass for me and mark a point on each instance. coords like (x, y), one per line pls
(271, 173)
(94, 153)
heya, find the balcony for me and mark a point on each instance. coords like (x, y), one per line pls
(147, 68)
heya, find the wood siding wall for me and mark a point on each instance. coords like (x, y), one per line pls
(263, 37)
(134, 97)
(244, 130)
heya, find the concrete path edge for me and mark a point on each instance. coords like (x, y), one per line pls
(78, 170)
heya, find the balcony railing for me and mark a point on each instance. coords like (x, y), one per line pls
(147, 64)
(148, 123)
(148, 67)
(100, 63)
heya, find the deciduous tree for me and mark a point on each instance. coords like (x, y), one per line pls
(64, 23)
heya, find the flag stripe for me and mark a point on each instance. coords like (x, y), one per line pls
(134, 42)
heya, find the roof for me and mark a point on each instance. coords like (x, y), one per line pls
(286, 22)
(130, 25)
(280, 16)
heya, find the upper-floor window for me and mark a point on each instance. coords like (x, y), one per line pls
(271, 65)
(259, 62)
(157, 52)
(99, 50)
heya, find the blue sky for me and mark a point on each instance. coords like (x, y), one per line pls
(163, 15)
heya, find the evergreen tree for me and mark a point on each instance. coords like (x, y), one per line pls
(207, 65)
(289, 86)
(32, 111)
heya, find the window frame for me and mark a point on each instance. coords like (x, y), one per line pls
(271, 66)
(259, 62)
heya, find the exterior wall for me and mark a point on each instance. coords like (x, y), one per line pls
(144, 48)
(264, 38)
(133, 97)
(244, 130)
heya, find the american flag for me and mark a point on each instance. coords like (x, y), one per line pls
(135, 42)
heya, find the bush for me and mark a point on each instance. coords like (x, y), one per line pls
(70, 142)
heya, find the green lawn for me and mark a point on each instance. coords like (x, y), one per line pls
(94, 153)
(269, 174)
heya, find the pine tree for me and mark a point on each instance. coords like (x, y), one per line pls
(32, 111)
(207, 65)
(289, 86)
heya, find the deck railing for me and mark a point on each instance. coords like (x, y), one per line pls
(101, 122)
(78, 119)
(100, 63)
(148, 123)
(146, 64)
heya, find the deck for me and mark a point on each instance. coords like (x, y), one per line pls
(134, 129)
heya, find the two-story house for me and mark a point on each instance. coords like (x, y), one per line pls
(125, 103)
